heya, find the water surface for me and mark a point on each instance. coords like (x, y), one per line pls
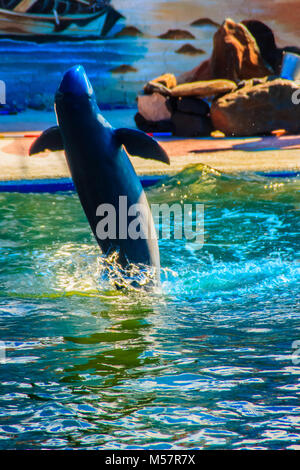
(205, 363)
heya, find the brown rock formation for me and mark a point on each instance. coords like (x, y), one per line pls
(236, 56)
(124, 68)
(129, 31)
(205, 22)
(156, 87)
(204, 89)
(259, 109)
(177, 34)
(201, 72)
(168, 80)
(189, 50)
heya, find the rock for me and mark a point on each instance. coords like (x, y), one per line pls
(189, 50)
(192, 106)
(168, 80)
(204, 22)
(153, 107)
(201, 72)
(236, 55)
(153, 126)
(265, 39)
(191, 125)
(177, 34)
(204, 89)
(129, 31)
(156, 87)
(189, 105)
(251, 82)
(266, 42)
(171, 104)
(123, 69)
(259, 109)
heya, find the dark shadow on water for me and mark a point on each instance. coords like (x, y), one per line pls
(113, 355)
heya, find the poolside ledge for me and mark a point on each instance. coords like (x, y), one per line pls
(228, 155)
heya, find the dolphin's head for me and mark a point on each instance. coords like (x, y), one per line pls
(75, 102)
(76, 83)
(75, 90)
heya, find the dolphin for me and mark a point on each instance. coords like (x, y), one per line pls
(101, 170)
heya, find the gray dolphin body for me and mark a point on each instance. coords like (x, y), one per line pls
(100, 168)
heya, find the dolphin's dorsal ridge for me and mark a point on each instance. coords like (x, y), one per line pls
(50, 139)
(139, 144)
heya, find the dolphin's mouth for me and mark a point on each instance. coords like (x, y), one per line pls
(76, 82)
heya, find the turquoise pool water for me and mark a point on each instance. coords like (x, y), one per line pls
(205, 363)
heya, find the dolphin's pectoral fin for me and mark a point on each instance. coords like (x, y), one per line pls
(50, 139)
(139, 144)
